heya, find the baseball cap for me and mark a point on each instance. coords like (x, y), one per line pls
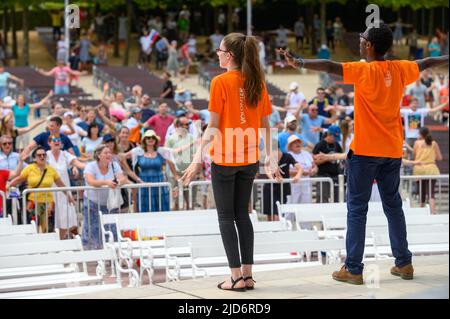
(108, 138)
(69, 113)
(293, 86)
(289, 118)
(136, 110)
(335, 131)
(180, 113)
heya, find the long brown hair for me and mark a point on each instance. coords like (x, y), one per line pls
(244, 50)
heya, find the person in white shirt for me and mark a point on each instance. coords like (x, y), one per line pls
(70, 126)
(146, 48)
(301, 192)
(134, 120)
(282, 37)
(414, 119)
(294, 99)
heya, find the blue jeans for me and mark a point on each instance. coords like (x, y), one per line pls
(91, 235)
(3, 91)
(62, 89)
(362, 170)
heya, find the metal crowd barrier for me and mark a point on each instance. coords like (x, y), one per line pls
(3, 199)
(259, 183)
(414, 185)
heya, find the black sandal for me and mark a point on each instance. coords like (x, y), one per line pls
(248, 278)
(233, 283)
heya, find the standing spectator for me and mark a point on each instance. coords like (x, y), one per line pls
(192, 43)
(171, 27)
(262, 53)
(272, 192)
(162, 52)
(182, 145)
(413, 39)
(145, 106)
(61, 48)
(312, 124)
(135, 118)
(101, 172)
(329, 31)
(291, 124)
(338, 30)
(419, 91)
(4, 77)
(74, 132)
(427, 152)
(168, 90)
(151, 169)
(146, 48)
(294, 99)
(161, 122)
(91, 141)
(323, 52)
(186, 60)
(299, 30)
(181, 116)
(222, 21)
(172, 62)
(123, 28)
(434, 48)
(428, 81)
(398, 31)
(183, 27)
(326, 167)
(56, 23)
(301, 192)
(216, 38)
(91, 118)
(102, 56)
(236, 19)
(84, 46)
(74, 60)
(65, 215)
(347, 129)
(40, 206)
(100, 27)
(8, 128)
(316, 28)
(62, 74)
(414, 119)
(322, 102)
(282, 37)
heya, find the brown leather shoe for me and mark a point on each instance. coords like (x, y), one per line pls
(345, 276)
(405, 272)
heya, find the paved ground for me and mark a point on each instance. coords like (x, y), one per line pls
(431, 281)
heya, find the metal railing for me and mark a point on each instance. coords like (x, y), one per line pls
(420, 188)
(258, 184)
(3, 199)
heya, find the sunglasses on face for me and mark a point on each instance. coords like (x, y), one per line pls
(7, 143)
(56, 140)
(41, 155)
(314, 110)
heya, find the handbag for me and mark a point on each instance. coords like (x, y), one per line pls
(115, 199)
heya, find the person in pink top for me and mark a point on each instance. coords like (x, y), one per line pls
(62, 74)
(186, 60)
(160, 122)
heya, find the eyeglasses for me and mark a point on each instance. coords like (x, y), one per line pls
(220, 50)
(361, 35)
(314, 110)
(41, 155)
(7, 143)
(56, 140)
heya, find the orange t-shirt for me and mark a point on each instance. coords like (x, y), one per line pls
(236, 142)
(379, 88)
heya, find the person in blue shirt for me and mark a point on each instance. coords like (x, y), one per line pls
(182, 95)
(291, 124)
(53, 128)
(312, 124)
(91, 117)
(322, 102)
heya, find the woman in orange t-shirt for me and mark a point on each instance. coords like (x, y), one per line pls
(239, 106)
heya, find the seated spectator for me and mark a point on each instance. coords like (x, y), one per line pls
(291, 125)
(312, 125)
(135, 118)
(323, 103)
(91, 118)
(182, 95)
(326, 167)
(203, 114)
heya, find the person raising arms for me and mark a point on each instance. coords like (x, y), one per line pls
(379, 86)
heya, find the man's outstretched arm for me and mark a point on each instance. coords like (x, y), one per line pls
(432, 62)
(327, 66)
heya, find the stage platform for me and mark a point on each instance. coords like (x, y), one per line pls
(431, 281)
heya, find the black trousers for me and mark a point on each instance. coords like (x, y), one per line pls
(232, 187)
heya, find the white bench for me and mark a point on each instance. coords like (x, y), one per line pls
(333, 247)
(418, 243)
(6, 221)
(42, 237)
(12, 230)
(43, 282)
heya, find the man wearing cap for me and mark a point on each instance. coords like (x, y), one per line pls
(294, 99)
(290, 122)
(180, 114)
(328, 167)
(182, 95)
(73, 131)
(135, 118)
(312, 124)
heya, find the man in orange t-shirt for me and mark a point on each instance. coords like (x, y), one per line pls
(376, 150)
